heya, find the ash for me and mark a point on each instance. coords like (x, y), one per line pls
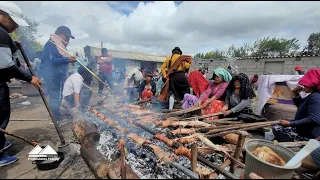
(141, 160)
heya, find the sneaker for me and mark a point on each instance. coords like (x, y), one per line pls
(7, 145)
(6, 160)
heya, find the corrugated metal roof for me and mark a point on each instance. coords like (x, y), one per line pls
(129, 55)
(269, 57)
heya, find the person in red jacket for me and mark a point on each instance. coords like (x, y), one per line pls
(105, 62)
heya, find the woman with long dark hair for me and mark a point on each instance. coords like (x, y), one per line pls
(239, 94)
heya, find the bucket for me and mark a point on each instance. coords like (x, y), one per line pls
(265, 169)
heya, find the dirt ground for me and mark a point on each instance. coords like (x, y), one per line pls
(32, 122)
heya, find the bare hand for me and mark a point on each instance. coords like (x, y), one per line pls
(285, 123)
(205, 104)
(199, 103)
(224, 109)
(36, 82)
(72, 59)
(251, 176)
(228, 112)
(296, 91)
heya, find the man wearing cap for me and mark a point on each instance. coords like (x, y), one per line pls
(54, 67)
(10, 20)
(105, 62)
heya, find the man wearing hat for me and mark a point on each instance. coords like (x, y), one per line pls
(179, 84)
(10, 19)
(54, 67)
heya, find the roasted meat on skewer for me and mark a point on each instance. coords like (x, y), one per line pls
(162, 155)
(163, 138)
(183, 131)
(187, 139)
(140, 141)
(183, 151)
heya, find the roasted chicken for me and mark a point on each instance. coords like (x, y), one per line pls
(266, 154)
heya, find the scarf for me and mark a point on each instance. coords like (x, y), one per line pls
(61, 43)
(311, 79)
(198, 82)
(222, 73)
(246, 91)
(163, 97)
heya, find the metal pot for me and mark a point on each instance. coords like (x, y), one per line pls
(43, 165)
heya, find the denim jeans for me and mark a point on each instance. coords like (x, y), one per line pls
(132, 94)
(53, 90)
(105, 76)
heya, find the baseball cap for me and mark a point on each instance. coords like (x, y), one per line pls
(64, 30)
(14, 12)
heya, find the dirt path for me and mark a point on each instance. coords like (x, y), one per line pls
(42, 132)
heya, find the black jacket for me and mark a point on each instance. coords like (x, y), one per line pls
(8, 67)
(143, 85)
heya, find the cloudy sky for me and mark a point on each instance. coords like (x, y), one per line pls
(157, 27)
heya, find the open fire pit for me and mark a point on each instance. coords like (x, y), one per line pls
(142, 160)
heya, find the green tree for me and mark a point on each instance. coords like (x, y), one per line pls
(313, 46)
(215, 54)
(243, 51)
(275, 47)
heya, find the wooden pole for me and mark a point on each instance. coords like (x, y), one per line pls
(194, 152)
(123, 163)
(238, 150)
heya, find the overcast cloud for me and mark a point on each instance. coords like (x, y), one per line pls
(157, 27)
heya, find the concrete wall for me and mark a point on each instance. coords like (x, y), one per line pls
(131, 64)
(254, 66)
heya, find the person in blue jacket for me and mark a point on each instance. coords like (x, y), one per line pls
(54, 67)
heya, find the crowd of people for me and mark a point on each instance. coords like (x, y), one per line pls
(227, 91)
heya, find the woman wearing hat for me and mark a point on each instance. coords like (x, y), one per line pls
(147, 88)
(179, 84)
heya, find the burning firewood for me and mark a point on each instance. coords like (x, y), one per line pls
(183, 151)
(163, 138)
(140, 141)
(183, 131)
(162, 155)
(208, 143)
